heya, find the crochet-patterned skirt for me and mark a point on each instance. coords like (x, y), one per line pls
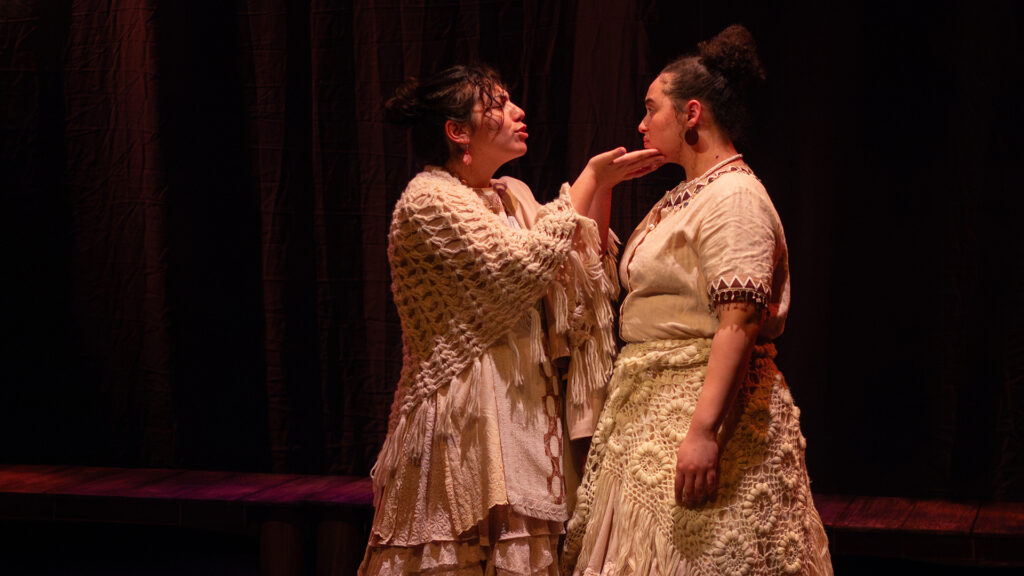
(762, 520)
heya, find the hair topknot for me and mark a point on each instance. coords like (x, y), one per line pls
(724, 75)
(733, 52)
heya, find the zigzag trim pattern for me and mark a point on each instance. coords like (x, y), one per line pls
(737, 290)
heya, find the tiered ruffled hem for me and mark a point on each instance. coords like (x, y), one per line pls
(504, 543)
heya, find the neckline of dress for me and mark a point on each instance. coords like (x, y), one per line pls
(684, 190)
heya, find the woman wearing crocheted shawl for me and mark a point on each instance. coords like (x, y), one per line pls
(697, 464)
(492, 290)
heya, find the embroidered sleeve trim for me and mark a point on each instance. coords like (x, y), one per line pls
(750, 291)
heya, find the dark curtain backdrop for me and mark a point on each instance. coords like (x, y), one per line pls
(196, 195)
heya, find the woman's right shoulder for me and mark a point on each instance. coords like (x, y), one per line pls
(433, 191)
(427, 187)
(426, 182)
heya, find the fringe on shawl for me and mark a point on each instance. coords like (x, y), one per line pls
(408, 436)
(446, 423)
(581, 299)
(537, 348)
(515, 373)
(397, 424)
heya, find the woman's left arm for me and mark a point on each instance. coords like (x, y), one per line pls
(697, 460)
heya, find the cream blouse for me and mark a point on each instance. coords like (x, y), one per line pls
(702, 244)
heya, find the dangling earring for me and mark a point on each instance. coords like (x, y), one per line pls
(691, 136)
(466, 158)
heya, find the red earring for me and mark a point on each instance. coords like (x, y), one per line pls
(466, 158)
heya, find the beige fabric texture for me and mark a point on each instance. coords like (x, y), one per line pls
(476, 428)
(727, 232)
(503, 543)
(762, 520)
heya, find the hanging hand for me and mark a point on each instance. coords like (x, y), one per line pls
(696, 469)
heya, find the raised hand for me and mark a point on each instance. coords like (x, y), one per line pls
(611, 167)
(591, 192)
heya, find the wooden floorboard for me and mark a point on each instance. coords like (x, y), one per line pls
(233, 487)
(998, 534)
(1000, 519)
(875, 513)
(46, 479)
(940, 517)
(356, 493)
(191, 485)
(932, 530)
(120, 483)
(299, 489)
(831, 507)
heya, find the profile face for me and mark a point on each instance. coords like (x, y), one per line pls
(660, 126)
(499, 133)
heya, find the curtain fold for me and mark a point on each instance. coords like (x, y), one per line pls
(117, 181)
(196, 198)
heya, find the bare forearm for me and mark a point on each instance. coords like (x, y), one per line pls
(600, 212)
(697, 457)
(582, 192)
(593, 201)
(731, 348)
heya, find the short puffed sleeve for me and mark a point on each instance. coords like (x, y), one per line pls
(738, 243)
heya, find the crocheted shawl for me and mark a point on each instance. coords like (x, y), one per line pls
(463, 279)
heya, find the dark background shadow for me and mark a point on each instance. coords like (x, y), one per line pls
(195, 200)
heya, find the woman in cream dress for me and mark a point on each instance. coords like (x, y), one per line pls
(697, 464)
(491, 288)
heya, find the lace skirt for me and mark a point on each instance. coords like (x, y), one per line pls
(762, 520)
(504, 543)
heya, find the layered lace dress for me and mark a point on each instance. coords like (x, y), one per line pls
(490, 288)
(711, 240)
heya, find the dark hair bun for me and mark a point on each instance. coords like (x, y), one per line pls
(404, 108)
(734, 54)
(423, 106)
